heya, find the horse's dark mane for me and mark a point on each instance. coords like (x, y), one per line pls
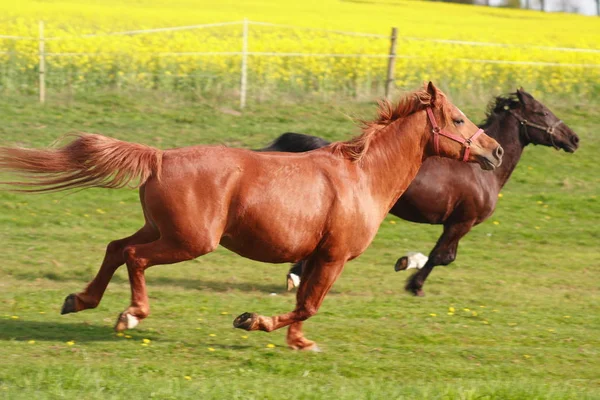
(496, 111)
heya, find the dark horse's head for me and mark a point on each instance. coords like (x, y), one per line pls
(538, 125)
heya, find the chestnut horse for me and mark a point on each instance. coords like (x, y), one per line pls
(455, 195)
(194, 198)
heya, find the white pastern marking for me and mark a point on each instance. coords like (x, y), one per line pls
(295, 279)
(132, 321)
(416, 260)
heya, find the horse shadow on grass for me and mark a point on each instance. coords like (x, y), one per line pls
(216, 286)
(184, 283)
(21, 330)
(222, 286)
(51, 331)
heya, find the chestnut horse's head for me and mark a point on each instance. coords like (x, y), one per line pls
(540, 126)
(455, 136)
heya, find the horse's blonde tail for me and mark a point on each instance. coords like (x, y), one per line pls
(89, 161)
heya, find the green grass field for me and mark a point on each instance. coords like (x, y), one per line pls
(526, 290)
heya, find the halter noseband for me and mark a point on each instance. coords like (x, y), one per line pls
(548, 129)
(437, 131)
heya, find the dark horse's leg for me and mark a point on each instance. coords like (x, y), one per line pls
(443, 253)
(90, 297)
(294, 274)
(317, 279)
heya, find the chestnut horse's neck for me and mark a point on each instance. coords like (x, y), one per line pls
(506, 130)
(395, 156)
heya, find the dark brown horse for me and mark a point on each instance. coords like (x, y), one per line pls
(457, 195)
(194, 198)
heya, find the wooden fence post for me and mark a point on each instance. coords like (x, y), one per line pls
(244, 81)
(42, 67)
(391, 63)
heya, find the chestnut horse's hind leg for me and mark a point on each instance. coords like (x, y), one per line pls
(138, 258)
(317, 279)
(90, 297)
(443, 253)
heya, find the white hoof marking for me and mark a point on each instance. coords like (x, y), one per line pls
(314, 348)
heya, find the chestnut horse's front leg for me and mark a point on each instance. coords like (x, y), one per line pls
(443, 253)
(317, 279)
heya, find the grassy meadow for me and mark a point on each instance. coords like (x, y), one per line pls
(516, 316)
(524, 292)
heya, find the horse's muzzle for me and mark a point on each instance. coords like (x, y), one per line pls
(491, 160)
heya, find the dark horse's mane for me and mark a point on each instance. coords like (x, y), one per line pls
(495, 112)
(355, 148)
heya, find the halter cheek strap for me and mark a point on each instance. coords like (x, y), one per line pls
(548, 129)
(437, 131)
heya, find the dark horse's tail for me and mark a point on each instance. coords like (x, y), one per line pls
(295, 143)
(88, 161)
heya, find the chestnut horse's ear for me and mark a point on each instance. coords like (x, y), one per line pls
(433, 92)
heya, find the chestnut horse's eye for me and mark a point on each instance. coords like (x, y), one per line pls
(459, 121)
(543, 113)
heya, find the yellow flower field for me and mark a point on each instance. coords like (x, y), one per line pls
(147, 60)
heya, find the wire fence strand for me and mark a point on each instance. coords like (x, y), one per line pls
(17, 37)
(327, 55)
(346, 33)
(146, 31)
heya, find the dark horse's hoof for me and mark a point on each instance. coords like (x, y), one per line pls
(69, 305)
(413, 287)
(417, 292)
(245, 321)
(401, 264)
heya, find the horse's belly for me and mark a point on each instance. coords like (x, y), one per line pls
(260, 249)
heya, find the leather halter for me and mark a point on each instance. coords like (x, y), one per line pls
(548, 129)
(437, 131)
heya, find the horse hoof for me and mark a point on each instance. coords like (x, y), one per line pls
(126, 321)
(69, 305)
(245, 321)
(306, 347)
(415, 291)
(314, 348)
(401, 264)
